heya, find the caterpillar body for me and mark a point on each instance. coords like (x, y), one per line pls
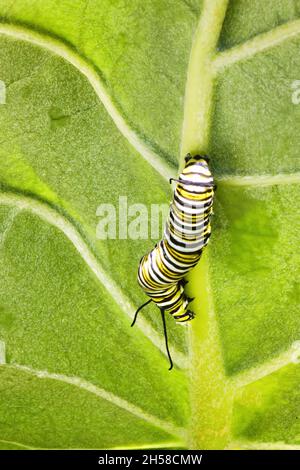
(161, 272)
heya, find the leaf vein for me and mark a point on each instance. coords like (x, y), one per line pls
(101, 393)
(85, 68)
(274, 364)
(19, 444)
(252, 445)
(259, 43)
(158, 445)
(8, 225)
(259, 180)
(42, 210)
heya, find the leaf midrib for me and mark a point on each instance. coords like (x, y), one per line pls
(210, 409)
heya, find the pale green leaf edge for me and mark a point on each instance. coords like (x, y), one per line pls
(195, 136)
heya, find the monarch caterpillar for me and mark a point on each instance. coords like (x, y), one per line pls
(161, 272)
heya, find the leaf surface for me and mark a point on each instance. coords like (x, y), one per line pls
(101, 98)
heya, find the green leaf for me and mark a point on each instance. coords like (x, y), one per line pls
(100, 99)
(269, 410)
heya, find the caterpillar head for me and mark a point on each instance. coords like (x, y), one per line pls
(196, 158)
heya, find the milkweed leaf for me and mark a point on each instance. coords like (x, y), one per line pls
(100, 99)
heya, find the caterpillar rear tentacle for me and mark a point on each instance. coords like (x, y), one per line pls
(161, 272)
(164, 326)
(166, 338)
